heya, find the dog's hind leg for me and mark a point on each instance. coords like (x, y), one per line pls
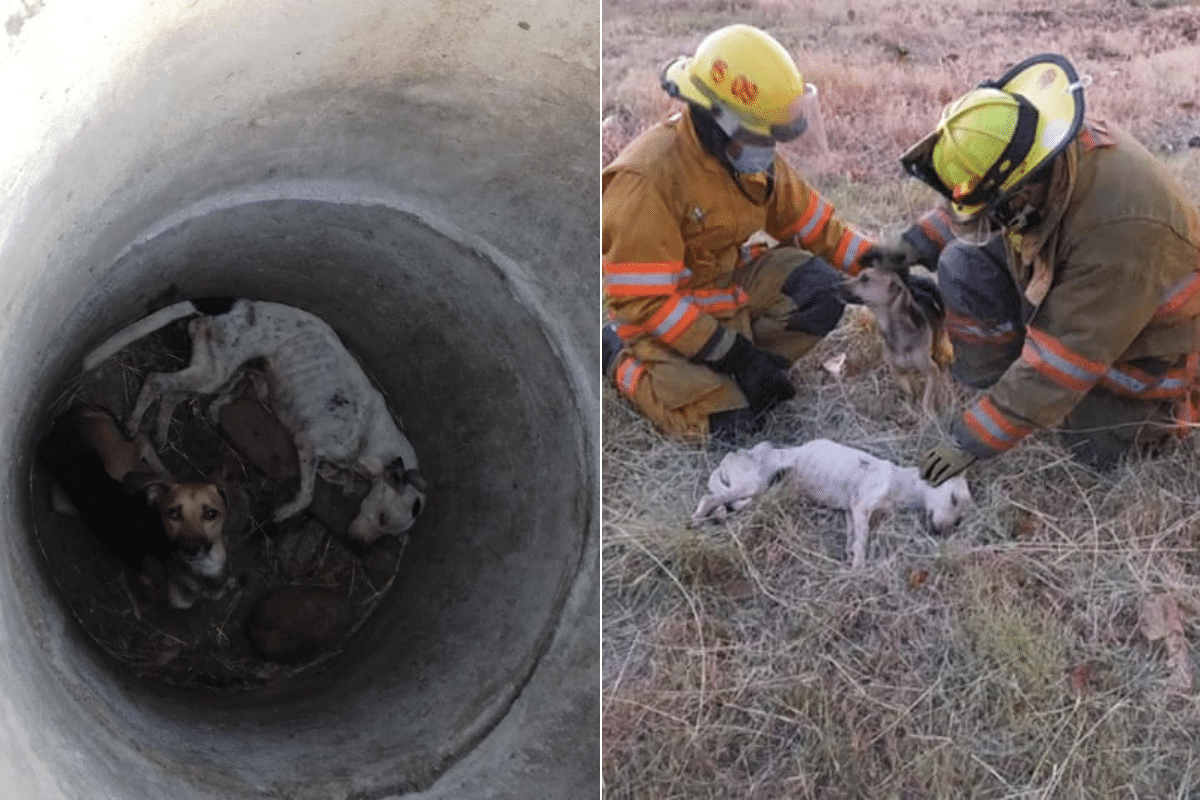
(307, 462)
(204, 375)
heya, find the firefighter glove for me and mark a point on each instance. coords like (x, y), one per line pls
(944, 462)
(925, 291)
(761, 376)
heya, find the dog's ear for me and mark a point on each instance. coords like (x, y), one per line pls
(398, 474)
(154, 484)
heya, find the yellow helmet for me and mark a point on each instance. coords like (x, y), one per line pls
(743, 71)
(993, 138)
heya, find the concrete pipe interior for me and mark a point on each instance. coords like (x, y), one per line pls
(359, 185)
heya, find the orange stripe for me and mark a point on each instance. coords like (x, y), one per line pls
(1181, 298)
(986, 408)
(929, 226)
(820, 227)
(1067, 354)
(1049, 371)
(984, 435)
(1094, 134)
(628, 375)
(839, 254)
(813, 203)
(702, 298)
(641, 267)
(1002, 421)
(641, 290)
(672, 334)
(968, 329)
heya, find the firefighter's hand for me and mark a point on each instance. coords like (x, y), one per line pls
(944, 462)
(895, 255)
(761, 376)
(925, 291)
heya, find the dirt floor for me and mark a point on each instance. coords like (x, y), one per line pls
(301, 591)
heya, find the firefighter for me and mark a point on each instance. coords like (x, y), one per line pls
(702, 329)
(1069, 262)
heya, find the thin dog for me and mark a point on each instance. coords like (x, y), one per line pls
(837, 476)
(316, 389)
(913, 333)
(127, 499)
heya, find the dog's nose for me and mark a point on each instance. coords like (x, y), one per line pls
(194, 547)
(416, 508)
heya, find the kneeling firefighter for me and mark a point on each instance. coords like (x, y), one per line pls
(1074, 300)
(703, 327)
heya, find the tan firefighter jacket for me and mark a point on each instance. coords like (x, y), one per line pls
(674, 223)
(1113, 275)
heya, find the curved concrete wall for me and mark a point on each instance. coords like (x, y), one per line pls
(421, 175)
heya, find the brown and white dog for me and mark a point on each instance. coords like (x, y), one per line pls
(913, 333)
(128, 500)
(337, 418)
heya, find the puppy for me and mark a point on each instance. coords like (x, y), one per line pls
(913, 333)
(316, 389)
(837, 476)
(126, 499)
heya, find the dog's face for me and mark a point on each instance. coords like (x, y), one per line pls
(391, 506)
(947, 504)
(740, 477)
(873, 287)
(193, 517)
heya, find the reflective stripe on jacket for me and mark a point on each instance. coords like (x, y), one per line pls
(674, 221)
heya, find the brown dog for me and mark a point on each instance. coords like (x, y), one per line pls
(914, 336)
(127, 499)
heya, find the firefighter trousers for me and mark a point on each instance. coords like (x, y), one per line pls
(986, 317)
(794, 300)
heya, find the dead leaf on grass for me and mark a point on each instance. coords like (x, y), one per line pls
(1161, 620)
(917, 578)
(1080, 678)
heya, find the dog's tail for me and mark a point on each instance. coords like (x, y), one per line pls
(143, 327)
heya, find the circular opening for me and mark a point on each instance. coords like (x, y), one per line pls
(487, 402)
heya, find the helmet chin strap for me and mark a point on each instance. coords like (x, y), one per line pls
(713, 129)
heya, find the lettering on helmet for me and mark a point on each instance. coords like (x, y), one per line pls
(719, 68)
(744, 89)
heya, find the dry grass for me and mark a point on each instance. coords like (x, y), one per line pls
(743, 659)
(885, 70)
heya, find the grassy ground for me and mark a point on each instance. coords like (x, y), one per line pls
(743, 659)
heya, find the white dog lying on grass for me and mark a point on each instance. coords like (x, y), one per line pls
(837, 476)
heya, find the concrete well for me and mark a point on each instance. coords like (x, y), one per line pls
(423, 177)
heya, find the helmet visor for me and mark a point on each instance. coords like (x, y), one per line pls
(800, 111)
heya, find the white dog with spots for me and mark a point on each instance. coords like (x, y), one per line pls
(315, 387)
(837, 476)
